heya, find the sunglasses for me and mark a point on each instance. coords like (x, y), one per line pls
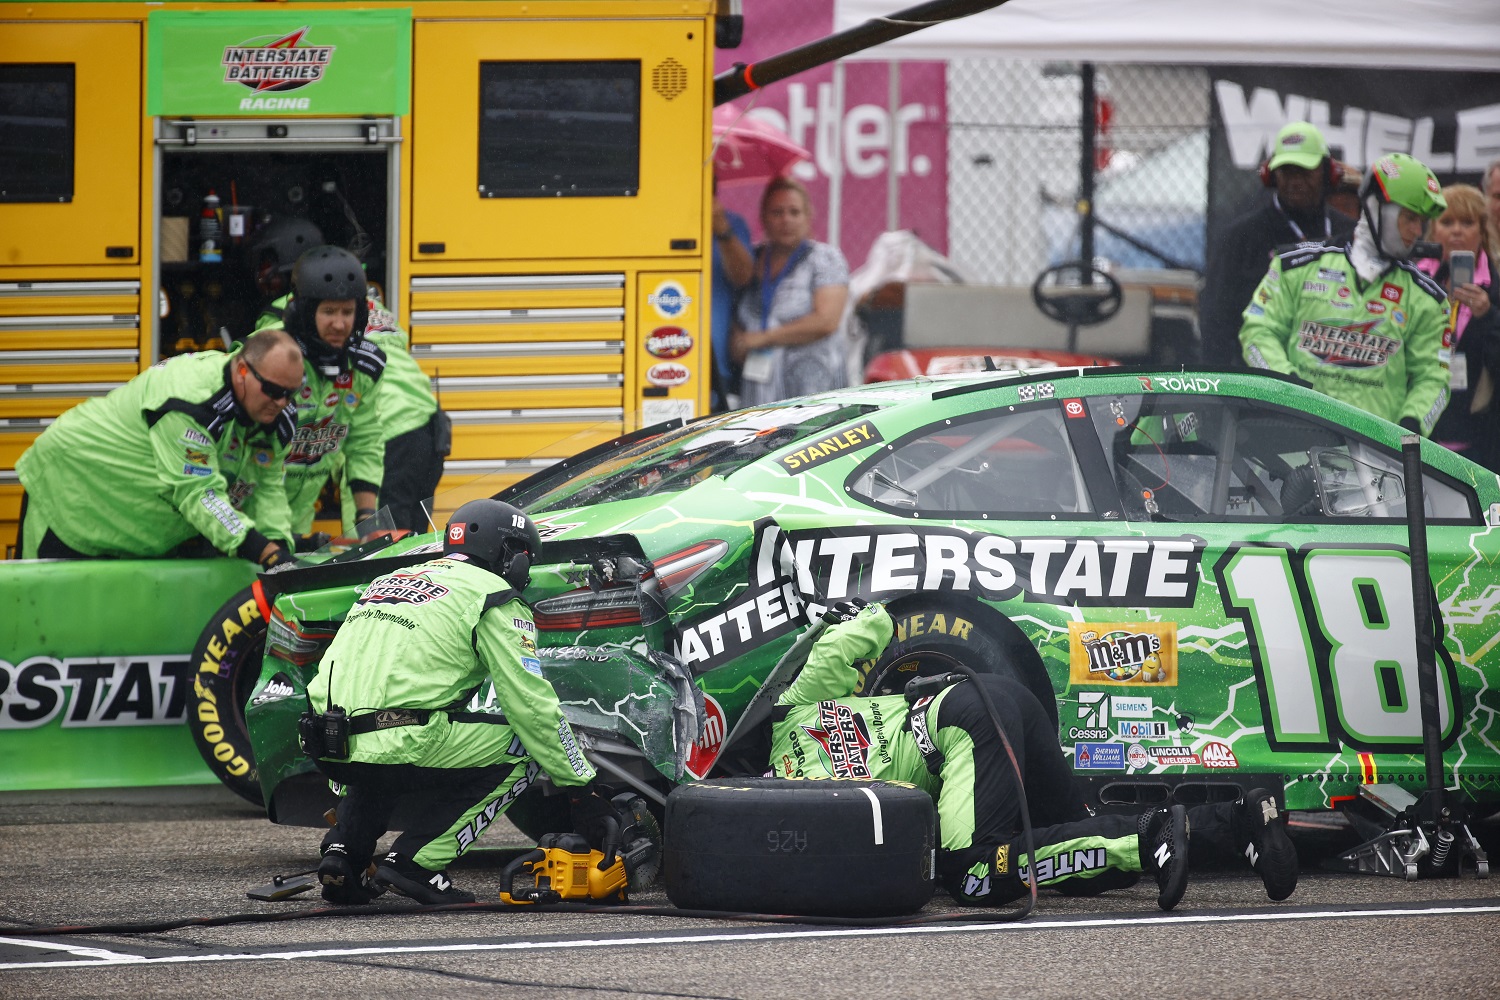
(271, 389)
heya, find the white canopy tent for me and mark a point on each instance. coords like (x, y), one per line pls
(1412, 34)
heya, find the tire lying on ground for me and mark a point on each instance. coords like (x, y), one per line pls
(226, 666)
(823, 848)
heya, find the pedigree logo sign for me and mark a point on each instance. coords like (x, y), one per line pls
(253, 63)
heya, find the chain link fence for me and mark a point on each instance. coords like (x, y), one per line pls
(1015, 134)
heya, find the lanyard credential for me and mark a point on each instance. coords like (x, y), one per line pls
(768, 286)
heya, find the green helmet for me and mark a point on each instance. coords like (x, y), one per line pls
(1397, 181)
(1404, 180)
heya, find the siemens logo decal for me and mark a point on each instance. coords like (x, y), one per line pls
(796, 573)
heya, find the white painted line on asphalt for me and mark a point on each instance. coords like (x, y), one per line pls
(1136, 923)
(97, 953)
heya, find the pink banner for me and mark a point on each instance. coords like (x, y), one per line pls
(859, 141)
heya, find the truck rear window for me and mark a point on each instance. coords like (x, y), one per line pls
(559, 129)
(36, 132)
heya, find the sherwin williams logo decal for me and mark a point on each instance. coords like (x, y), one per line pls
(1123, 653)
(1352, 346)
(276, 66)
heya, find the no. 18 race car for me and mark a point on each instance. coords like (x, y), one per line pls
(1207, 575)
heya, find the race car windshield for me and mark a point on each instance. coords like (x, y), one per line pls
(679, 458)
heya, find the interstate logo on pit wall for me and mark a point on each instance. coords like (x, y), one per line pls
(278, 65)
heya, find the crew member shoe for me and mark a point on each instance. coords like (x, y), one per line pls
(1164, 852)
(1265, 844)
(343, 882)
(415, 882)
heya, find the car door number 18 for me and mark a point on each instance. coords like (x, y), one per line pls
(1351, 609)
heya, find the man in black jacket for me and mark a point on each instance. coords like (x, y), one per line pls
(1302, 173)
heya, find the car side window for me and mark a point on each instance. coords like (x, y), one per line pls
(1016, 462)
(1187, 458)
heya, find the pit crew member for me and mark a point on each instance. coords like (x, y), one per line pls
(185, 456)
(338, 416)
(1359, 321)
(947, 744)
(403, 667)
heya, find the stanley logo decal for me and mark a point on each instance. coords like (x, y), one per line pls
(825, 448)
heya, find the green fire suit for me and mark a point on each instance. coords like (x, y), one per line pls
(1381, 346)
(338, 422)
(164, 458)
(946, 744)
(421, 641)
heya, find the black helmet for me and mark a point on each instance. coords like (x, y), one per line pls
(283, 240)
(497, 536)
(326, 272)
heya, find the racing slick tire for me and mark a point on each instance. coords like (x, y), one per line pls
(849, 847)
(226, 667)
(977, 636)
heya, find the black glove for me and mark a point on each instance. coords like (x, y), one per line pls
(595, 818)
(312, 542)
(1410, 424)
(845, 611)
(278, 559)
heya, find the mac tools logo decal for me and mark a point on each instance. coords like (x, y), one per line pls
(276, 66)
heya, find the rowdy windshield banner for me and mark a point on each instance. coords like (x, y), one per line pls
(313, 62)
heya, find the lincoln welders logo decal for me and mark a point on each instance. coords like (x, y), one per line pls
(843, 737)
(1352, 346)
(279, 65)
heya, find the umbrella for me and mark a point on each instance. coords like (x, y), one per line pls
(750, 151)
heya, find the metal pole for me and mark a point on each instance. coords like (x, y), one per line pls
(740, 79)
(1086, 169)
(1421, 587)
(897, 156)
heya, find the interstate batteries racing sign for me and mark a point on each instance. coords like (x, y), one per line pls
(315, 62)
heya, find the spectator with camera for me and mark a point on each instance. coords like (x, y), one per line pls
(1467, 273)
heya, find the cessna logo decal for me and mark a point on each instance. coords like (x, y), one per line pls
(278, 65)
(1352, 346)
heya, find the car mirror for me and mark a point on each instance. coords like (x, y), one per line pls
(1347, 486)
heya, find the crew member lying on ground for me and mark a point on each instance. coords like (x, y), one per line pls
(947, 745)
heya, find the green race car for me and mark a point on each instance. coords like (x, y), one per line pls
(1208, 575)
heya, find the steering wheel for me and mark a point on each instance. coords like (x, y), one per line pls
(1076, 293)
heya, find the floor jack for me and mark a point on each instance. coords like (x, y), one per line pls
(1400, 843)
(1411, 836)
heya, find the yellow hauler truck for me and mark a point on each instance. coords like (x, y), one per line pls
(527, 182)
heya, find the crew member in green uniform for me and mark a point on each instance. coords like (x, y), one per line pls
(338, 418)
(946, 743)
(417, 433)
(1358, 321)
(189, 450)
(404, 666)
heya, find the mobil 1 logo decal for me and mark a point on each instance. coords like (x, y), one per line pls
(794, 574)
(1330, 635)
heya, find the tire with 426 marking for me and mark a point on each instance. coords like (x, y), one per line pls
(776, 845)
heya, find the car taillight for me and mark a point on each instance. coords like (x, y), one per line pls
(678, 569)
(580, 609)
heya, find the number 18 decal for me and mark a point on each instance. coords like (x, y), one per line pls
(1331, 636)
